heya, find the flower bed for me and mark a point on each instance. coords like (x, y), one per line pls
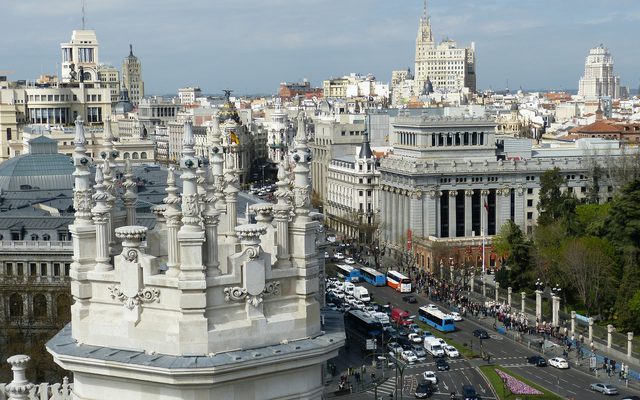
(516, 386)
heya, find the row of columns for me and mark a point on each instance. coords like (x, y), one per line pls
(420, 212)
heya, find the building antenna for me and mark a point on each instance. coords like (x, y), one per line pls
(425, 10)
(82, 1)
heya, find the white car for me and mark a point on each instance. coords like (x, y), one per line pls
(559, 363)
(456, 316)
(338, 256)
(432, 307)
(326, 254)
(451, 351)
(430, 376)
(349, 260)
(358, 304)
(415, 338)
(409, 356)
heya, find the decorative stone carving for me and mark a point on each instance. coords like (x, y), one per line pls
(468, 193)
(130, 302)
(82, 199)
(453, 193)
(236, 293)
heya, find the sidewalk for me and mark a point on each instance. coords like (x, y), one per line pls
(358, 377)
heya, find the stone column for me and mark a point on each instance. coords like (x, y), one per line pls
(438, 199)
(573, 322)
(484, 212)
(468, 208)
(523, 299)
(451, 271)
(497, 291)
(407, 213)
(282, 215)
(130, 196)
(509, 290)
(539, 305)
(452, 213)
(484, 289)
(231, 198)
(519, 205)
(590, 329)
(472, 281)
(394, 221)
(555, 305)
(101, 219)
(19, 387)
(629, 343)
(173, 216)
(610, 330)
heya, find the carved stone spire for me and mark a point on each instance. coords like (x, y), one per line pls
(82, 191)
(108, 153)
(188, 164)
(131, 193)
(301, 185)
(217, 164)
(173, 217)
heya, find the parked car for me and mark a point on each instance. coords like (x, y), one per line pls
(559, 363)
(349, 260)
(430, 376)
(423, 390)
(538, 361)
(409, 357)
(409, 299)
(469, 392)
(451, 351)
(441, 364)
(415, 328)
(481, 334)
(603, 388)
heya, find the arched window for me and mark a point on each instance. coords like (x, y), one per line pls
(39, 306)
(143, 155)
(135, 155)
(46, 237)
(126, 156)
(15, 305)
(63, 307)
(34, 237)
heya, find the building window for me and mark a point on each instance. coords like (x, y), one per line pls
(34, 237)
(46, 237)
(8, 268)
(530, 203)
(67, 269)
(15, 305)
(39, 306)
(20, 269)
(529, 215)
(43, 269)
(56, 269)
(33, 269)
(529, 190)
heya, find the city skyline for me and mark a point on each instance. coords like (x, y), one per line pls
(253, 46)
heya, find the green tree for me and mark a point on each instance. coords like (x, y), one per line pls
(591, 218)
(512, 244)
(554, 204)
(623, 230)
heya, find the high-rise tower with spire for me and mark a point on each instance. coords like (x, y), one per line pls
(132, 77)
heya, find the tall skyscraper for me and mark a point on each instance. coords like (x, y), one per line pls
(598, 79)
(80, 57)
(132, 77)
(446, 66)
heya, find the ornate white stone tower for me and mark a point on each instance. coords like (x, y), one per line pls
(599, 80)
(196, 316)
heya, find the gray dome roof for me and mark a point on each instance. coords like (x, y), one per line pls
(42, 168)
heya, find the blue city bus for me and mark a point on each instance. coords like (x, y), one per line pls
(348, 273)
(359, 326)
(373, 277)
(436, 319)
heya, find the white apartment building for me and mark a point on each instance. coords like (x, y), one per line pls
(355, 85)
(189, 95)
(599, 80)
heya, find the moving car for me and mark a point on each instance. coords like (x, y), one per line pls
(632, 397)
(469, 392)
(424, 390)
(559, 363)
(409, 299)
(456, 316)
(451, 351)
(481, 334)
(603, 388)
(415, 338)
(338, 256)
(418, 350)
(349, 260)
(394, 348)
(538, 361)
(409, 357)
(430, 376)
(441, 364)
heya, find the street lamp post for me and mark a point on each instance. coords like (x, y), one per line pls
(539, 287)
(555, 305)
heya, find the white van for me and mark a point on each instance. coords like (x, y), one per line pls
(361, 293)
(433, 346)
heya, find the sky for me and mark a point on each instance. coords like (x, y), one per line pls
(251, 46)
